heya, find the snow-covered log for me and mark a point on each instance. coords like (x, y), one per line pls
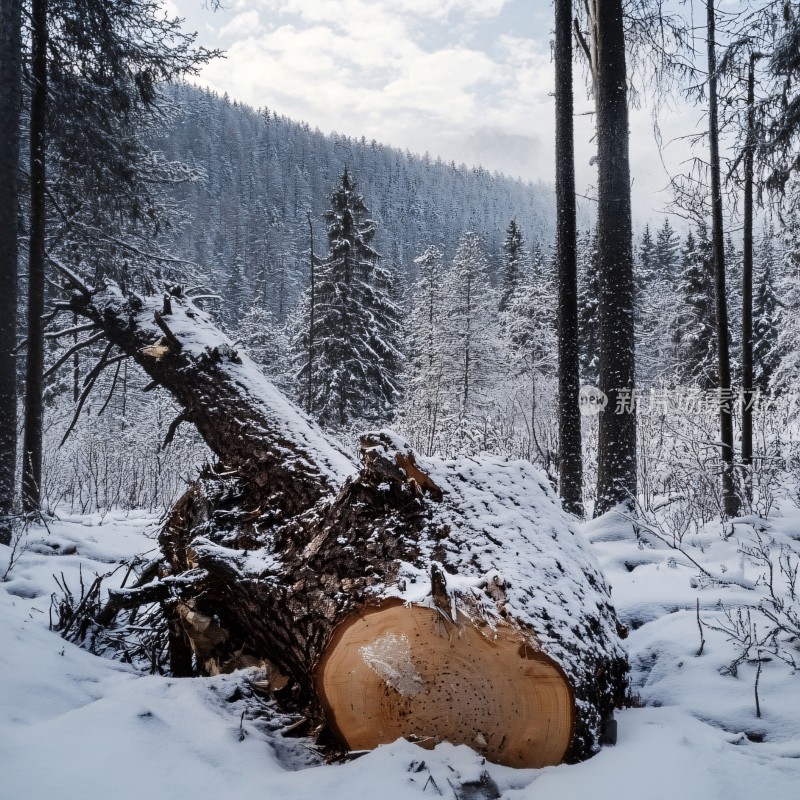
(250, 426)
(414, 597)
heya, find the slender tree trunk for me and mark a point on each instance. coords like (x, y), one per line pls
(312, 301)
(76, 366)
(467, 343)
(34, 368)
(10, 106)
(616, 463)
(747, 278)
(570, 465)
(730, 499)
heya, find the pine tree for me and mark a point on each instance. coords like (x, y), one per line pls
(471, 330)
(766, 319)
(10, 106)
(513, 247)
(424, 366)
(787, 374)
(95, 70)
(616, 439)
(357, 358)
(666, 252)
(645, 262)
(730, 498)
(570, 458)
(530, 323)
(695, 330)
(733, 267)
(266, 342)
(645, 277)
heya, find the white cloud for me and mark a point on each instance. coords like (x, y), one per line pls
(358, 62)
(329, 11)
(247, 23)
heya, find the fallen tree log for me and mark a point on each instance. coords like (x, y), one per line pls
(252, 428)
(413, 597)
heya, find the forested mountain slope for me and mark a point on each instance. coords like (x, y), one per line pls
(249, 227)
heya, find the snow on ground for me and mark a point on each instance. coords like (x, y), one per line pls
(73, 725)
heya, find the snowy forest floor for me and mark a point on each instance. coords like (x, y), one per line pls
(74, 725)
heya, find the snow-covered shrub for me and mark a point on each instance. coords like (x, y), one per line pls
(771, 627)
(116, 459)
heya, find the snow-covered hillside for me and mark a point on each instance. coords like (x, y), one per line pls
(73, 725)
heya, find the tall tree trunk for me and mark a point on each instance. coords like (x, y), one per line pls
(10, 105)
(616, 461)
(730, 498)
(467, 343)
(34, 368)
(747, 277)
(312, 301)
(76, 365)
(570, 465)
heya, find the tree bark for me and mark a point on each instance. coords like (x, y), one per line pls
(730, 498)
(34, 366)
(10, 109)
(616, 460)
(747, 279)
(278, 550)
(570, 464)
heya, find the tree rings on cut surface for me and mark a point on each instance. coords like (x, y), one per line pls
(408, 671)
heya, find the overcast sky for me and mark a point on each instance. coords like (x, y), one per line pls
(469, 80)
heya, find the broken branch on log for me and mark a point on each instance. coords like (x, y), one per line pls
(173, 428)
(71, 352)
(75, 329)
(88, 385)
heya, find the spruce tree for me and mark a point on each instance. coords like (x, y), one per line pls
(616, 438)
(471, 331)
(666, 252)
(10, 106)
(766, 321)
(424, 366)
(357, 358)
(514, 253)
(266, 342)
(644, 263)
(530, 322)
(97, 191)
(695, 330)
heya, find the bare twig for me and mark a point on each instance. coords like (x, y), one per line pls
(758, 676)
(87, 326)
(71, 352)
(700, 626)
(88, 385)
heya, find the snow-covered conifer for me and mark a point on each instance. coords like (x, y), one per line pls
(423, 374)
(514, 253)
(666, 252)
(695, 330)
(588, 301)
(471, 326)
(266, 342)
(767, 315)
(356, 358)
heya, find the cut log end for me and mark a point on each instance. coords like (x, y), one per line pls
(406, 671)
